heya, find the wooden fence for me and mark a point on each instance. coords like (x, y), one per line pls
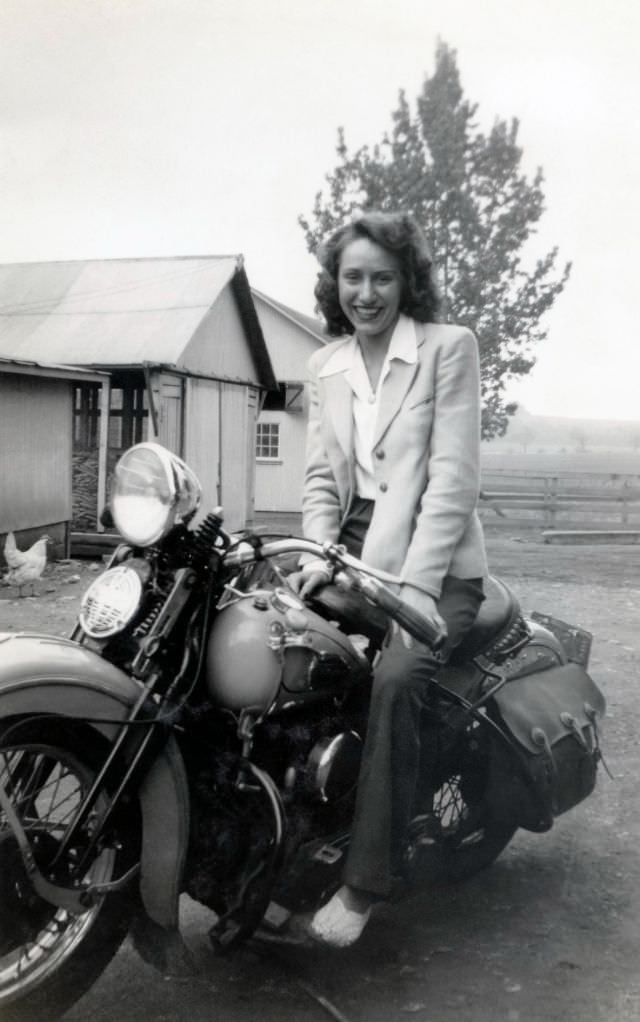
(511, 498)
(561, 499)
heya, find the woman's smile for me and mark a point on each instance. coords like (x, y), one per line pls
(367, 313)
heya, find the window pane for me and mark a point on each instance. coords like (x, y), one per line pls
(268, 440)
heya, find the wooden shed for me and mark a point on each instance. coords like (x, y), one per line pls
(185, 352)
(36, 447)
(291, 339)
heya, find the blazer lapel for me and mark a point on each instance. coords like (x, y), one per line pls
(395, 389)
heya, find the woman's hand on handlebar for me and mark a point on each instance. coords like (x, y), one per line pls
(312, 576)
(425, 605)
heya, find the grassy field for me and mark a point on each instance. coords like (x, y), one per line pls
(503, 457)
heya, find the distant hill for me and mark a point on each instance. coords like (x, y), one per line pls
(547, 444)
(528, 433)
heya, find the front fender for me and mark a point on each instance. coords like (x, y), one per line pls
(50, 674)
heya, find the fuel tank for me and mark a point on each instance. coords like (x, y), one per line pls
(266, 648)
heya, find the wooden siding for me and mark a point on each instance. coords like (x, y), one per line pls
(219, 345)
(279, 482)
(171, 412)
(250, 468)
(202, 437)
(290, 346)
(220, 428)
(237, 446)
(35, 452)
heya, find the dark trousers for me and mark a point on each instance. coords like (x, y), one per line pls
(390, 766)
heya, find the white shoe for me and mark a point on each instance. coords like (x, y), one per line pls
(337, 925)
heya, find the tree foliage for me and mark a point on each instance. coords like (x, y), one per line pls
(479, 211)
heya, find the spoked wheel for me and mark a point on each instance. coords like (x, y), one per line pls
(50, 956)
(461, 830)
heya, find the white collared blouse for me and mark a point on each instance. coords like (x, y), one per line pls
(366, 401)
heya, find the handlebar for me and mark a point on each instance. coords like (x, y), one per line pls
(407, 617)
(372, 582)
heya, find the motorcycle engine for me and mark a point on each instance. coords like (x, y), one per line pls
(333, 766)
(267, 650)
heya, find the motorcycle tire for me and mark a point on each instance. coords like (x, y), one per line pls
(50, 957)
(461, 831)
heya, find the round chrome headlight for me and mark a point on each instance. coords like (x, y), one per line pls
(110, 602)
(152, 491)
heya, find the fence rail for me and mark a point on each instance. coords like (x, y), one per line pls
(610, 498)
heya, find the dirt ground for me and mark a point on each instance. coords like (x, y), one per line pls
(549, 932)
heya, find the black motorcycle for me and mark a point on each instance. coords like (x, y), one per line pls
(201, 732)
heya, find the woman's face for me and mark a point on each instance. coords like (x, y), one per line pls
(370, 288)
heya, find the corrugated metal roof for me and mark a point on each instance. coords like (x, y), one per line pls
(110, 311)
(49, 369)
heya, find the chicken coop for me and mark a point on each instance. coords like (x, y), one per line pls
(187, 362)
(36, 448)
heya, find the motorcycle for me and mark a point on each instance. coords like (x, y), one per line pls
(201, 731)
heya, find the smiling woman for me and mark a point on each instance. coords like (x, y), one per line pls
(393, 473)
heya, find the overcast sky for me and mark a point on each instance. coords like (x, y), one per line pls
(177, 127)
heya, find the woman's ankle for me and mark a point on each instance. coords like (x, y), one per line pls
(357, 900)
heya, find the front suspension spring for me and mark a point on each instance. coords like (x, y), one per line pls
(204, 539)
(145, 626)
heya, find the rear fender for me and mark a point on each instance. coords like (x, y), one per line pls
(48, 674)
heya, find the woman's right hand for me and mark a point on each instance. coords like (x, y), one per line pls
(311, 577)
(426, 605)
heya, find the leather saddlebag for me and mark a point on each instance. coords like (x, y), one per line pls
(552, 719)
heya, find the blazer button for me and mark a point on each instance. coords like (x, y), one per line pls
(383, 487)
(380, 455)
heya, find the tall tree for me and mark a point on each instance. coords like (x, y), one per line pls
(479, 211)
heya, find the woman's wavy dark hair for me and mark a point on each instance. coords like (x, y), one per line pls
(400, 234)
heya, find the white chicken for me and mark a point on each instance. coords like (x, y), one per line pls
(12, 555)
(25, 566)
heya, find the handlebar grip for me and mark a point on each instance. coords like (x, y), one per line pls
(411, 620)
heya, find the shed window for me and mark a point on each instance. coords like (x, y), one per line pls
(268, 440)
(127, 416)
(86, 415)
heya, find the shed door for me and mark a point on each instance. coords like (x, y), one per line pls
(202, 437)
(170, 413)
(237, 444)
(252, 418)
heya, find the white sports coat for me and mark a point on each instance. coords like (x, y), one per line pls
(426, 457)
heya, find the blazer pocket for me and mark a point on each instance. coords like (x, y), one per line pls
(422, 401)
(417, 420)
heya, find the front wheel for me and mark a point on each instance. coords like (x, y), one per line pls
(49, 956)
